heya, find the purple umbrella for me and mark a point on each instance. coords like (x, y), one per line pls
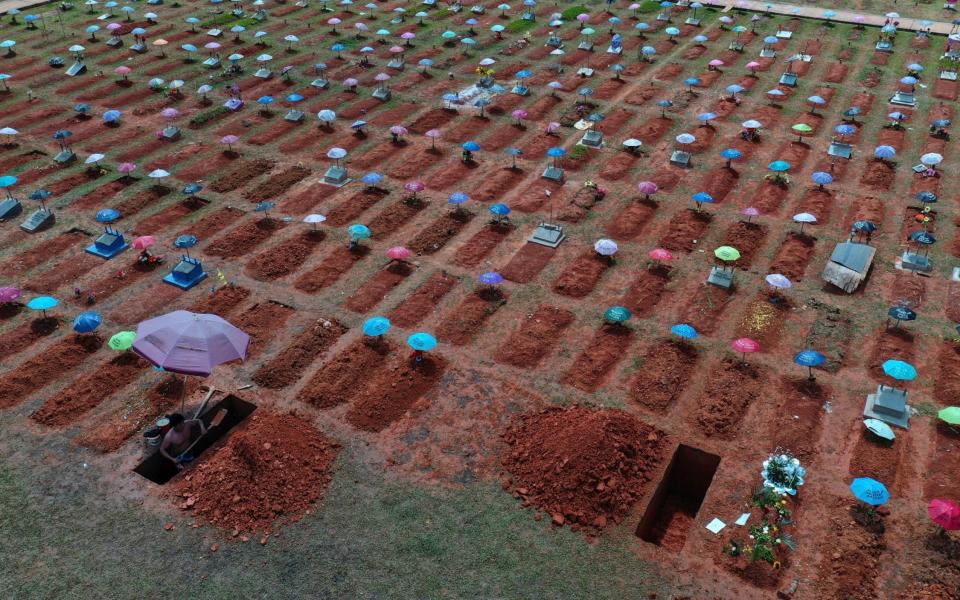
(9, 294)
(491, 278)
(190, 343)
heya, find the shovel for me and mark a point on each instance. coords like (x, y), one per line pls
(185, 456)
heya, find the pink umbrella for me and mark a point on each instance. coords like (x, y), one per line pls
(143, 242)
(9, 294)
(750, 212)
(407, 35)
(229, 140)
(944, 513)
(334, 21)
(660, 254)
(399, 130)
(350, 82)
(716, 63)
(170, 113)
(414, 187)
(552, 126)
(190, 343)
(397, 49)
(398, 253)
(434, 135)
(519, 115)
(745, 346)
(114, 26)
(126, 168)
(212, 46)
(123, 70)
(381, 77)
(647, 187)
(753, 65)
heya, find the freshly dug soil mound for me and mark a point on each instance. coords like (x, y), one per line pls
(583, 466)
(272, 468)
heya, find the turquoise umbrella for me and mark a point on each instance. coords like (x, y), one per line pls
(422, 342)
(376, 326)
(617, 314)
(899, 370)
(869, 491)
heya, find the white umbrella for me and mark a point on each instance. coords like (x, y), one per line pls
(932, 158)
(158, 174)
(93, 159)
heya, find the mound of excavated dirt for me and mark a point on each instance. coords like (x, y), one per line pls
(580, 465)
(273, 467)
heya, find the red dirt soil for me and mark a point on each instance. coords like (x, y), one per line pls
(422, 302)
(581, 466)
(535, 338)
(393, 390)
(336, 380)
(664, 371)
(56, 360)
(732, 388)
(273, 467)
(590, 369)
(288, 365)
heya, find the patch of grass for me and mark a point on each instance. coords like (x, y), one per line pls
(571, 13)
(648, 6)
(206, 116)
(521, 25)
(578, 152)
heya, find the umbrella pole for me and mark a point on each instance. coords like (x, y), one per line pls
(811, 377)
(183, 394)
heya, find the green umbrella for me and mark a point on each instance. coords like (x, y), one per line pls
(617, 314)
(727, 253)
(122, 341)
(950, 415)
(802, 128)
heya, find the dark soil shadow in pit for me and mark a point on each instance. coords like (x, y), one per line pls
(159, 470)
(674, 506)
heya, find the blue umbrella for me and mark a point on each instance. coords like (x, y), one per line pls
(771, 39)
(822, 178)
(809, 359)
(853, 111)
(684, 331)
(87, 322)
(901, 313)
(265, 100)
(185, 241)
(942, 123)
(523, 74)
(500, 210)
(927, 197)
(779, 166)
(585, 91)
(691, 81)
(706, 117)
(556, 152)
(372, 178)
(111, 116)
(7, 181)
(648, 50)
(422, 342)
(923, 238)
(81, 108)
(864, 226)
(358, 231)
(869, 491)
(376, 326)
(490, 278)
(734, 88)
(701, 198)
(458, 198)
(294, 98)
(107, 215)
(845, 129)
(899, 370)
(264, 207)
(40, 195)
(471, 146)
(192, 188)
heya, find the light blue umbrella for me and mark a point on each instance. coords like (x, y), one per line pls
(43, 304)
(107, 215)
(264, 207)
(358, 232)
(885, 152)
(691, 81)
(771, 39)
(556, 152)
(294, 98)
(189, 48)
(734, 88)
(702, 198)
(111, 116)
(376, 326)
(899, 370)
(822, 178)
(845, 129)
(706, 117)
(684, 331)
(448, 35)
(701, 39)
(731, 153)
(671, 31)
(779, 166)
(86, 322)
(458, 198)
(869, 491)
(372, 178)
(908, 80)
(617, 314)
(265, 100)
(685, 138)
(422, 342)
(7, 182)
